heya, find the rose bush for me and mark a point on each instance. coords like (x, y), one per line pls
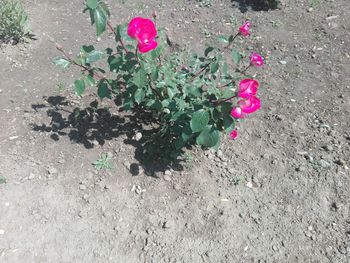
(193, 99)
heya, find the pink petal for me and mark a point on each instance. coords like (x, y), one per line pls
(256, 59)
(251, 105)
(134, 27)
(146, 47)
(142, 29)
(233, 134)
(244, 29)
(237, 113)
(248, 88)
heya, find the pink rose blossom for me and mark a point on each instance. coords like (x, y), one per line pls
(237, 113)
(249, 105)
(244, 29)
(245, 107)
(144, 31)
(233, 134)
(248, 88)
(256, 59)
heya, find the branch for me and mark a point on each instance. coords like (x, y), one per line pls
(71, 60)
(115, 34)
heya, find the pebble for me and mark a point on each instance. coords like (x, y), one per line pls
(31, 176)
(310, 9)
(340, 162)
(95, 142)
(2, 231)
(324, 163)
(167, 178)
(52, 170)
(168, 224)
(250, 185)
(167, 172)
(283, 62)
(138, 136)
(82, 187)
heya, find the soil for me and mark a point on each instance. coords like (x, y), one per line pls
(279, 193)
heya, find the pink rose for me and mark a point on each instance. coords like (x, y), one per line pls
(233, 134)
(248, 88)
(244, 29)
(144, 31)
(256, 59)
(245, 107)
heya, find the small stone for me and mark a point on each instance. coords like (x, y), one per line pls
(324, 163)
(167, 172)
(95, 142)
(2, 231)
(61, 161)
(274, 248)
(310, 9)
(328, 148)
(167, 178)
(31, 176)
(82, 187)
(283, 62)
(7, 204)
(52, 170)
(250, 185)
(340, 162)
(138, 136)
(168, 224)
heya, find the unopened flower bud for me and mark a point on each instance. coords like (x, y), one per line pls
(154, 14)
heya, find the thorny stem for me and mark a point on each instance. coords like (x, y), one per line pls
(218, 102)
(115, 34)
(85, 68)
(155, 91)
(244, 70)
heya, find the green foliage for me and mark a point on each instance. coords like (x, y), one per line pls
(103, 162)
(14, 25)
(2, 180)
(187, 96)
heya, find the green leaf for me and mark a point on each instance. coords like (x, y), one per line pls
(208, 50)
(61, 62)
(199, 121)
(223, 39)
(79, 87)
(156, 53)
(236, 57)
(105, 8)
(103, 90)
(214, 67)
(92, 3)
(209, 137)
(100, 20)
(87, 49)
(89, 80)
(94, 56)
(140, 78)
(139, 95)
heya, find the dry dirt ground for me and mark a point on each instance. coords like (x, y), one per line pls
(280, 193)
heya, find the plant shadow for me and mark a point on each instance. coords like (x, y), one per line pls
(92, 126)
(255, 5)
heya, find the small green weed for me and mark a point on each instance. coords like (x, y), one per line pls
(14, 25)
(103, 162)
(2, 180)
